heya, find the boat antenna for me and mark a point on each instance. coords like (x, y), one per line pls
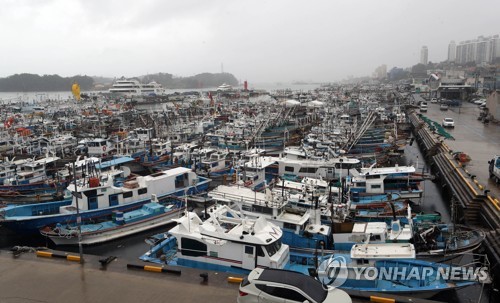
(393, 211)
(78, 217)
(186, 210)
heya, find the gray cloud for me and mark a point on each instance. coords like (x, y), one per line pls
(259, 41)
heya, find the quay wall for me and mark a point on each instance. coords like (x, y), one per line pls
(473, 204)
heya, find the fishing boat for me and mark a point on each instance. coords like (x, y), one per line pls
(215, 163)
(253, 173)
(33, 196)
(379, 211)
(301, 229)
(432, 241)
(327, 169)
(8, 167)
(373, 181)
(149, 216)
(101, 193)
(440, 241)
(392, 268)
(226, 241)
(31, 174)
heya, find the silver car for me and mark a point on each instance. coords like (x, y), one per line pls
(277, 285)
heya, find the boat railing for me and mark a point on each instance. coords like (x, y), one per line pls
(247, 200)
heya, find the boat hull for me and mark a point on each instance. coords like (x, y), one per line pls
(115, 232)
(48, 213)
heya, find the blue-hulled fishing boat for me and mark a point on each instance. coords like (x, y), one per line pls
(392, 268)
(99, 194)
(149, 216)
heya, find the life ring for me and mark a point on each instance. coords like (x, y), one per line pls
(104, 148)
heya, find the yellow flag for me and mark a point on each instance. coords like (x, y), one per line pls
(75, 89)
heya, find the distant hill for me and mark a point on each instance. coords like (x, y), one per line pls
(203, 80)
(47, 83)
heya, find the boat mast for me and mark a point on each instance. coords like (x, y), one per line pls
(78, 218)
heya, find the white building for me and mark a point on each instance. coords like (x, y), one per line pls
(480, 50)
(424, 55)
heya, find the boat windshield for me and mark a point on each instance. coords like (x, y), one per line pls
(273, 248)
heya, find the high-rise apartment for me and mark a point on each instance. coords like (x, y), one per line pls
(424, 55)
(480, 50)
(452, 51)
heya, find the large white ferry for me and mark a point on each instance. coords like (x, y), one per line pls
(132, 87)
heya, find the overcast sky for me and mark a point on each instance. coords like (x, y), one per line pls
(258, 41)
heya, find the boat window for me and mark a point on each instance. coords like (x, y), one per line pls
(262, 209)
(376, 186)
(127, 194)
(289, 169)
(260, 252)
(372, 176)
(248, 250)
(273, 248)
(193, 248)
(289, 226)
(310, 170)
(246, 207)
(142, 191)
(90, 193)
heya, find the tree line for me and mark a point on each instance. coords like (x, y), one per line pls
(36, 83)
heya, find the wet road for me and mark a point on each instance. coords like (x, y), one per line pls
(472, 137)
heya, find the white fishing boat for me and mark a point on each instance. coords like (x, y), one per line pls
(372, 181)
(226, 241)
(302, 229)
(325, 168)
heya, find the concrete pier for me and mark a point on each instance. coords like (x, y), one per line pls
(464, 183)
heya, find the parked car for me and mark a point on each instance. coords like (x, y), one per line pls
(448, 122)
(443, 107)
(479, 101)
(423, 108)
(277, 285)
(434, 100)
